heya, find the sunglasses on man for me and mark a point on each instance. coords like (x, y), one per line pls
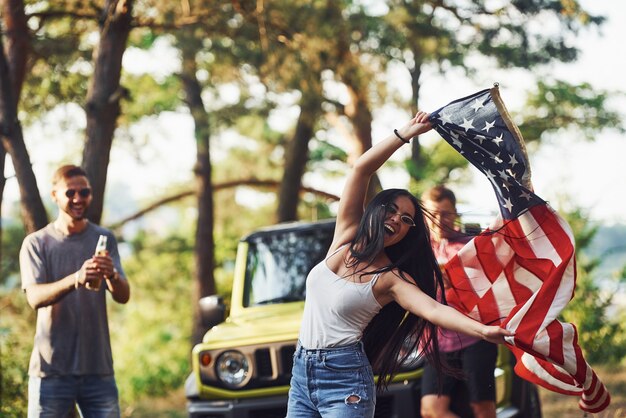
(85, 192)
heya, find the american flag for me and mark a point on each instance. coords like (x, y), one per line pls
(521, 271)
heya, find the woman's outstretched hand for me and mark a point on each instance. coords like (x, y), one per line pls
(418, 125)
(495, 334)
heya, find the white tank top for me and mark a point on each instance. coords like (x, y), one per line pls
(336, 310)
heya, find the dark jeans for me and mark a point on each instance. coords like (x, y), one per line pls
(55, 396)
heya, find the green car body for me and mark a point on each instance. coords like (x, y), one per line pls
(243, 365)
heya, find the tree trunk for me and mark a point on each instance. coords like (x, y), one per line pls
(3, 182)
(11, 79)
(361, 117)
(204, 242)
(357, 79)
(103, 98)
(296, 157)
(17, 42)
(416, 147)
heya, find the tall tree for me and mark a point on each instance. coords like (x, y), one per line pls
(431, 32)
(103, 97)
(200, 34)
(204, 283)
(297, 153)
(13, 60)
(296, 43)
(291, 59)
(358, 77)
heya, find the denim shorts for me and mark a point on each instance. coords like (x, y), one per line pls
(332, 383)
(55, 396)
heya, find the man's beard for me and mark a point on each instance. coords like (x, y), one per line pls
(81, 217)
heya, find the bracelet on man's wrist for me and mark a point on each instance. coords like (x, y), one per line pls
(406, 141)
(76, 277)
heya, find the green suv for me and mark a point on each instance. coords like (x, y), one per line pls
(242, 367)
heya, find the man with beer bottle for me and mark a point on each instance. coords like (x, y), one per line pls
(66, 269)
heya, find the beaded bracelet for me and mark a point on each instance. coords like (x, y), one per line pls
(406, 141)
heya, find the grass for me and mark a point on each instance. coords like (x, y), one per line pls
(171, 406)
(554, 405)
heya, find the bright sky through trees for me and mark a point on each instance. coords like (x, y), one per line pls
(589, 174)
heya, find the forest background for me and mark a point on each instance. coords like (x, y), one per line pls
(198, 121)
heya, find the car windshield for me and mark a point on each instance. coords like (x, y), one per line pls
(278, 263)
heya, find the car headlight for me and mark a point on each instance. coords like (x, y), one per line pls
(413, 360)
(232, 368)
(413, 356)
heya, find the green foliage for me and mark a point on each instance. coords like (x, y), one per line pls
(601, 333)
(503, 32)
(12, 236)
(324, 151)
(143, 38)
(60, 69)
(600, 336)
(148, 96)
(17, 324)
(151, 334)
(436, 166)
(558, 106)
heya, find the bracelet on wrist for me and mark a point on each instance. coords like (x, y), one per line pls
(406, 141)
(76, 276)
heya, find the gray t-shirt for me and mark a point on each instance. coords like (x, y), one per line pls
(72, 335)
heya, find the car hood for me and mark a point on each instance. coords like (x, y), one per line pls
(270, 323)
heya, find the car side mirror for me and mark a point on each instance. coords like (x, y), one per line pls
(212, 310)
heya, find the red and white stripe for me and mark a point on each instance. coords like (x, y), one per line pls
(521, 274)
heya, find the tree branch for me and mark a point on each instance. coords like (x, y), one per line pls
(221, 186)
(64, 13)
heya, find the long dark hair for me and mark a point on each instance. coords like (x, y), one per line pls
(394, 334)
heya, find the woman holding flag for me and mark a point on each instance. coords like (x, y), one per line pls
(373, 295)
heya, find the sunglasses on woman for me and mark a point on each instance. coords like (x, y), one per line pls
(391, 209)
(85, 192)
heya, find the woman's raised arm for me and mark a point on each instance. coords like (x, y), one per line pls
(355, 189)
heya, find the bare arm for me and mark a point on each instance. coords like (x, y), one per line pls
(44, 294)
(119, 288)
(411, 298)
(353, 196)
(40, 295)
